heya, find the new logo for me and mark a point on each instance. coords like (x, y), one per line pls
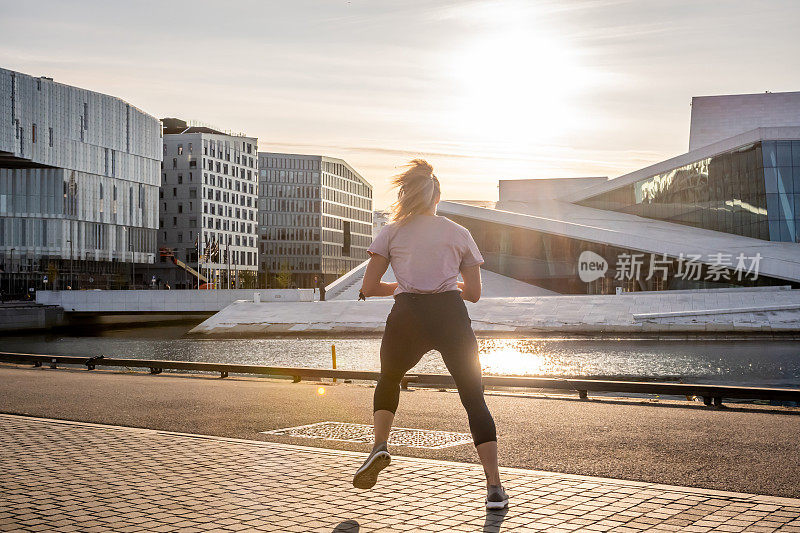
(591, 266)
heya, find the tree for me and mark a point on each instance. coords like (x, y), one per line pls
(283, 279)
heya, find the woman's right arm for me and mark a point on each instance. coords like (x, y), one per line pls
(372, 284)
(471, 286)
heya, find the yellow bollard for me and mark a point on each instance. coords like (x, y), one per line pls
(333, 357)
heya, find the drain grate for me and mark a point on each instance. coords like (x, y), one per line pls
(342, 431)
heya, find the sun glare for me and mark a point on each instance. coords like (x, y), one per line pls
(505, 357)
(518, 87)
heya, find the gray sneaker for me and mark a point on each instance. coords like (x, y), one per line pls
(496, 497)
(367, 475)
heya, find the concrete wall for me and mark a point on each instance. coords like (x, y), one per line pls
(719, 117)
(23, 316)
(544, 189)
(164, 301)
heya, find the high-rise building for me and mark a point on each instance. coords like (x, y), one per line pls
(78, 186)
(379, 220)
(207, 208)
(314, 218)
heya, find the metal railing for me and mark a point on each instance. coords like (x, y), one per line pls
(711, 394)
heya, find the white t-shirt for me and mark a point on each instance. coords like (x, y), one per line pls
(426, 253)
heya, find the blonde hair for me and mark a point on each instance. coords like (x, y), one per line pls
(418, 189)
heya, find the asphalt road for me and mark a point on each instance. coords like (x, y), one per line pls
(743, 449)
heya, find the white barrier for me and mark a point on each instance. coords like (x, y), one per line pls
(136, 301)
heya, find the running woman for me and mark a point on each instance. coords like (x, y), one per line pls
(427, 252)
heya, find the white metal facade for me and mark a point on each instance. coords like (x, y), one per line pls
(79, 174)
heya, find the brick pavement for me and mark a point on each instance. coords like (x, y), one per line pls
(71, 476)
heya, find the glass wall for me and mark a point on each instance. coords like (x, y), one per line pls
(551, 261)
(753, 191)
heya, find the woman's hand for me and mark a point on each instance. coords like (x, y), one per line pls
(471, 286)
(372, 284)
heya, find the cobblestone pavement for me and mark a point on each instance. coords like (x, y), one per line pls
(71, 476)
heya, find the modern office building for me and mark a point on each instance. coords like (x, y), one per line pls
(79, 175)
(725, 214)
(314, 216)
(379, 220)
(207, 208)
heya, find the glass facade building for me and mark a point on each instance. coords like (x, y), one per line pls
(78, 186)
(315, 218)
(551, 261)
(752, 190)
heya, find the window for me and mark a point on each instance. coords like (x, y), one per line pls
(33, 133)
(180, 149)
(190, 148)
(174, 162)
(50, 131)
(174, 191)
(180, 179)
(346, 239)
(174, 221)
(180, 208)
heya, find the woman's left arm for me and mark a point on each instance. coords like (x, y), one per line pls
(372, 284)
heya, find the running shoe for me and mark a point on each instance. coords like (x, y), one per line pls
(496, 497)
(367, 475)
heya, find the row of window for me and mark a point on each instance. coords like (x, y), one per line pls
(218, 167)
(281, 249)
(88, 238)
(282, 205)
(288, 176)
(228, 225)
(234, 198)
(347, 185)
(357, 248)
(362, 228)
(344, 211)
(227, 183)
(287, 219)
(303, 220)
(290, 234)
(289, 162)
(217, 149)
(295, 264)
(288, 191)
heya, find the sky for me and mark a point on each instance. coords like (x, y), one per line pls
(484, 90)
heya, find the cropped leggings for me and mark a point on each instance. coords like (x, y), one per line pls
(419, 323)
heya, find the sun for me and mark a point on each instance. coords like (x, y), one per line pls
(518, 87)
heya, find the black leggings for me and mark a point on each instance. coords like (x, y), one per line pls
(419, 323)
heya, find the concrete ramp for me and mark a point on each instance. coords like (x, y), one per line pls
(494, 285)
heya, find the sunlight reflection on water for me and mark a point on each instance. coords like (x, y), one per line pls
(756, 362)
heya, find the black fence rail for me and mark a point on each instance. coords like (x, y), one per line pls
(711, 394)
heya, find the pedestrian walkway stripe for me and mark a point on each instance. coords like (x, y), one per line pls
(347, 432)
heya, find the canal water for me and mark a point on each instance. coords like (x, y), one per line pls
(751, 362)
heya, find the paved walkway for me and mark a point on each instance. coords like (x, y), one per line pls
(730, 312)
(70, 476)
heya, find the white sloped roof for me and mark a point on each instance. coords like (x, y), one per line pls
(778, 259)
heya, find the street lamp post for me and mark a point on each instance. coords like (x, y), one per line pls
(71, 281)
(10, 270)
(133, 259)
